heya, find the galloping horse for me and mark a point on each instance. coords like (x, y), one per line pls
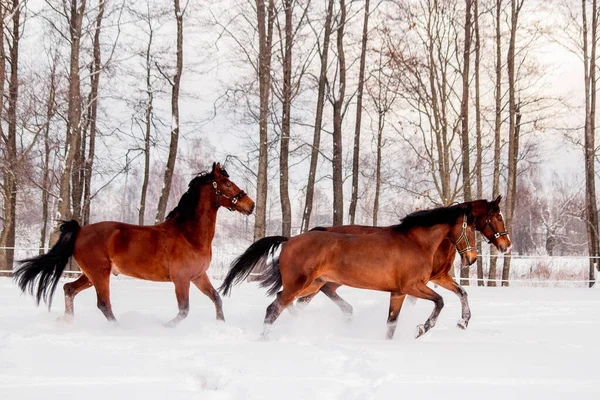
(177, 250)
(396, 260)
(488, 221)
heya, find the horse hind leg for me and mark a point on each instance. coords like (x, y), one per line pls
(274, 311)
(203, 283)
(330, 290)
(422, 291)
(448, 283)
(102, 285)
(71, 290)
(182, 292)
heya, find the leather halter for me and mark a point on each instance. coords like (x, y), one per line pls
(233, 199)
(463, 236)
(494, 231)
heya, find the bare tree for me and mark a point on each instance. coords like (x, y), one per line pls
(590, 40)
(77, 10)
(46, 176)
(286, 208)
(478, 133)
(265, 18)
(383, 92)
(95, 70)
(338, 117)
(314, 155)
(514, 129)
(9, 140)
(497, 129)
(359, 98)
(175, 84)
(464, 117)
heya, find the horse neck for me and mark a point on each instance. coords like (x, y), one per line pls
(431, 237)
(201, 228)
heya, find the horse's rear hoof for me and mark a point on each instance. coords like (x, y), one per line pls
(462, 324)
(420, 331)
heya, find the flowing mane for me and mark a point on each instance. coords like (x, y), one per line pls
(434, 216)
(186, 208)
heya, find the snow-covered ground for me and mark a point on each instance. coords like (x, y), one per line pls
(526, 343)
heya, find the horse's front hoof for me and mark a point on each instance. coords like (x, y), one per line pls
(420, 331)
(462, 324)
(65, 319)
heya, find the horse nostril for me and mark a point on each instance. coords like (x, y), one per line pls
(252, 208)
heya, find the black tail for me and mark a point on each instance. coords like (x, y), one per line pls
(45, 270)
(256, 255)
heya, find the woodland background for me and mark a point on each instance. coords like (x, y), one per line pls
(326, 112)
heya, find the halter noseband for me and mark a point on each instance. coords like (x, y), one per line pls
(233, 199)
(494, 231)
(463, 236)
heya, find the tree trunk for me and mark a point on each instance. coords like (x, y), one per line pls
(286, 208)
(7, 236)
(265, 37)
(464, 116)
(359, 98)
(513, 132)
(50, 111)
(74, 113)
(591, 209)
(168, 177)
(148, 125)
(92, 113)
(497, 126)
(479, 154)
(337, 159)
(314, 156)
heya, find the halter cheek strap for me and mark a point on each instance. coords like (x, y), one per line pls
(233, 199)
(495, 232)
(464, 237)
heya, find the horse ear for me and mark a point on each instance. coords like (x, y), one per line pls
(213, 167)
(497, 201)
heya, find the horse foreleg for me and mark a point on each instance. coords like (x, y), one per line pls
(182, 292)
(396, 301)
(447, 282)
(422, 291)
(71, 289)
(203, 283)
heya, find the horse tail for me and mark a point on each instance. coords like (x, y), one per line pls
(257, 255)
(45, 270)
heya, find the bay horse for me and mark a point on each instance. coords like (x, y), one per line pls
(177, 250)
(488, 221)
(398, 260)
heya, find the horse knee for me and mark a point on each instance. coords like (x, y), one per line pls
(439, 302)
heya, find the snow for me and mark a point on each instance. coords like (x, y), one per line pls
(521, 343)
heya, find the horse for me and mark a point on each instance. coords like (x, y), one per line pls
(177, 250)
(398, 260)
(488, 221)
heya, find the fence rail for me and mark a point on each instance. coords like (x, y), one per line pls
(526, 270)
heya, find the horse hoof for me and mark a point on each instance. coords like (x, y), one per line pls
(462, 324)
(65, 319)
(420, 331)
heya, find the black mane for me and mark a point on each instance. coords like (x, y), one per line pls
(434, 216)
(186, 208)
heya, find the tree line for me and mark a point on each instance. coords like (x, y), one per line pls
(345, 112)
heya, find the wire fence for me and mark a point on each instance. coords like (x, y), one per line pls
(526, 270)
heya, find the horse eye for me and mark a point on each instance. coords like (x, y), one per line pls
(228, 184)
